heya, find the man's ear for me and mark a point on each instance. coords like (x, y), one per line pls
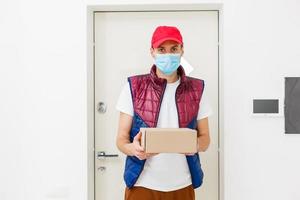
(182, 50)
(152, 52)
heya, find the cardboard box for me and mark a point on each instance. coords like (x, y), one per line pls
(169, 140)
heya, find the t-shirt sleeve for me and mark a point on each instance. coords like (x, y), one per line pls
(205, 108)
(124, 103)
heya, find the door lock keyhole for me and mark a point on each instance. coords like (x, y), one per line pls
(101, 107)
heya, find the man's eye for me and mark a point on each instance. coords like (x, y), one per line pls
(174, 49)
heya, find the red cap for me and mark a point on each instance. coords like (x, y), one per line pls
(163, 33)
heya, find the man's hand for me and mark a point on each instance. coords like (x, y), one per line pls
(203, 139)
(137, 150)
(123, 143)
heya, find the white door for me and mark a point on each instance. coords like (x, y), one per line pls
(122, 42)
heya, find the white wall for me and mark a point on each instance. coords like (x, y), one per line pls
(43, 98)
(261, 47)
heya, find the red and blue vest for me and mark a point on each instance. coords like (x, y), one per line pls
(147, 91)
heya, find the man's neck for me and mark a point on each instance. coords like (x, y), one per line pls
(170, 78)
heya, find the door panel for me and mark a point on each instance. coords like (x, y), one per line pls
(122, 43)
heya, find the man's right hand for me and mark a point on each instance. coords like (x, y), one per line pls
(137, 150)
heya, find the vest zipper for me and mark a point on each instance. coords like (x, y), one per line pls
(162, 96)
(177, 107)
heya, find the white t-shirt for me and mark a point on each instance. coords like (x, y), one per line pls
(165, 171)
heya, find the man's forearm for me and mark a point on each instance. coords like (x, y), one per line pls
(203, 142)
(125, 147)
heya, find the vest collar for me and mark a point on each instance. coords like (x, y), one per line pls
(160, 81)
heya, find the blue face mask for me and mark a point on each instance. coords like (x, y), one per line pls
(167, 63)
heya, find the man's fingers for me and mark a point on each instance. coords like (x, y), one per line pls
(143, 156)
(148, 155)
(137, 146)
(140, 156)
(139, 153)
(137, 143)
(138, 136)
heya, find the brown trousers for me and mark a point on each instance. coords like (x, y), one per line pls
(141, 193)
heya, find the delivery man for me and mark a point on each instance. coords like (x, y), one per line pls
(164, 98)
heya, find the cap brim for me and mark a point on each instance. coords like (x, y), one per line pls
(159, 42)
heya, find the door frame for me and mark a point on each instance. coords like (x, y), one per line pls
(90, 11)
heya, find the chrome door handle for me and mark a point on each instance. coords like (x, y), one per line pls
(102, 154)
